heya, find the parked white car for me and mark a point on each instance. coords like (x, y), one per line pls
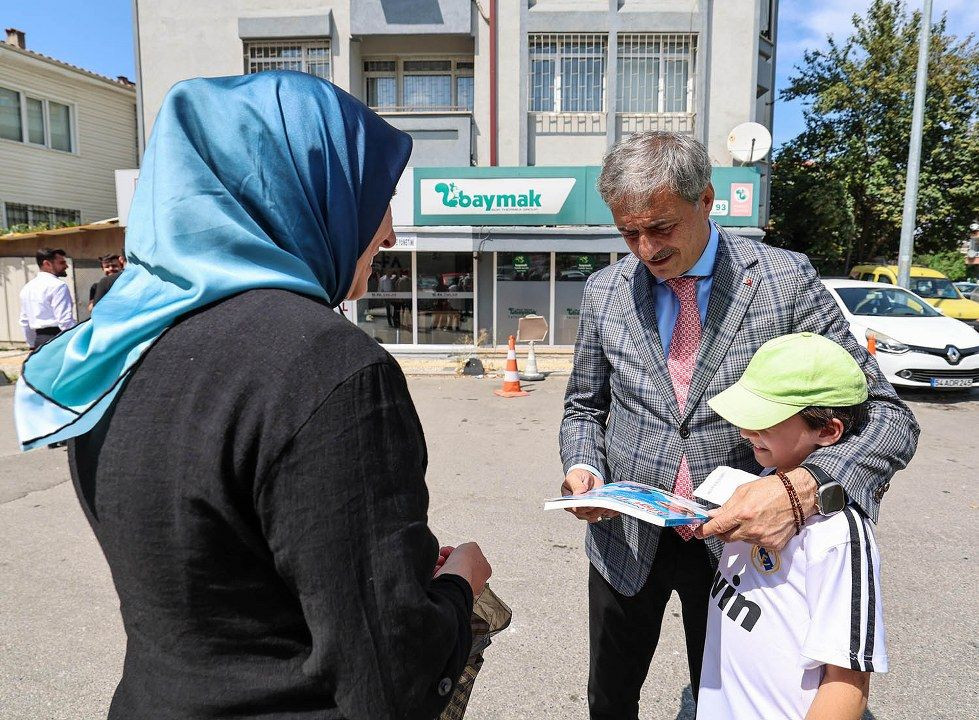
(917, 346)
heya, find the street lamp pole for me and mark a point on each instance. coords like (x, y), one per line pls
(914, 154)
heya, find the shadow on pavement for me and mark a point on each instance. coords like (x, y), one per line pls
(688, 711)
(939, 397)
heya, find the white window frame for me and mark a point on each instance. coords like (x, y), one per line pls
(536, 40)
(399, 74)
(45, 119)
(305, 45)
(662, 57)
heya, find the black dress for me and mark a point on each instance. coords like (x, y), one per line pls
(258, 491)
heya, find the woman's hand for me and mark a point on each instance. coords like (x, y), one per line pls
(468, 562)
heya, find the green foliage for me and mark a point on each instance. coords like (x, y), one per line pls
(25, 228)
(950, 263)
(838, 188)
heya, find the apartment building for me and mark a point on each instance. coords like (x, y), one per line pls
(511, 105)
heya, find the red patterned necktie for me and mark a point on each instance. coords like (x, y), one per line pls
(684, 347)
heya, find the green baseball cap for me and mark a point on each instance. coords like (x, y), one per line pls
(787, 375)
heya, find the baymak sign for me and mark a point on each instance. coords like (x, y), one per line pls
(551, 195)
(494, 196)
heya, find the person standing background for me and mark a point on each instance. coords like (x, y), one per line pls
(112, 264)
(103, 285)
(45, 302)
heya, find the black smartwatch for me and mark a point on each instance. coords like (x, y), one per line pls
(830, 495)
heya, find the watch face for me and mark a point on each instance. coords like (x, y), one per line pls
(832, 498)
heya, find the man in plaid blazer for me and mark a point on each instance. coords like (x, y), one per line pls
(630, 415)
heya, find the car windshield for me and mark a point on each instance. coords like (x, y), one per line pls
(884, 302)
(934, 288)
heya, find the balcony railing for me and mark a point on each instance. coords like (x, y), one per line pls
(568, 123)
(575, 123)
(631, 123)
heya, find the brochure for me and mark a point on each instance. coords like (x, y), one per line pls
(646, 503)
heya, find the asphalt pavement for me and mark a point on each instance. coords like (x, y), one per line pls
(492, 463)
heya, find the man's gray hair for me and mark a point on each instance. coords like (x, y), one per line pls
(644, 164)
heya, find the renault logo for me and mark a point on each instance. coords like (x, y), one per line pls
(952, 354)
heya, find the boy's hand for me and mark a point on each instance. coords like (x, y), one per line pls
(760, 512)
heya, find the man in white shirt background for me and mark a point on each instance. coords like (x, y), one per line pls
(45, 302)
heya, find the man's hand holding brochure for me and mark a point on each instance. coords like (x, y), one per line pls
(655, 505)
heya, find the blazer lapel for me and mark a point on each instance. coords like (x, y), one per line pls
(730, 296)
(639, 313)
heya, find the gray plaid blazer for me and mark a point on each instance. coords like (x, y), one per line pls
(620, 411)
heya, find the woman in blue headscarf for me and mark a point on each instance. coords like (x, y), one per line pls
(251, 463)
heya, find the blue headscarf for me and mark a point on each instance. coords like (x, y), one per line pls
(272, 180)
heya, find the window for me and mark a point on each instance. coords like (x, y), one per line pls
(59, 120)
(567, 73)
(523, 287)
(419, 84)
(17, 214)
(382, 84)
(655, 73)
(571, 271)
(307, 57)
(35, 121)
(10, 123)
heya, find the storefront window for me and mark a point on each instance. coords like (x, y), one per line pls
(445, 297)
(523, 287)
(572, 269)
(384, 312)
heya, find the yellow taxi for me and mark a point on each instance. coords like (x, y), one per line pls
(930, 284)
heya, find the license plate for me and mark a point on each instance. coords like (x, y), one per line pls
(951, 382)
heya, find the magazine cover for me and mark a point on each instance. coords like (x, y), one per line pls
(646, 503)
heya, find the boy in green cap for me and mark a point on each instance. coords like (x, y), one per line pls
(796, 632)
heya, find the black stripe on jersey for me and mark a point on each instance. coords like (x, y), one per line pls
(856, 591)
(868, 652)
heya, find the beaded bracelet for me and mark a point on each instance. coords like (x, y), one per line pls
(797, 515)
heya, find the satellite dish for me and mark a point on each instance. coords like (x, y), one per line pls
(749, 142)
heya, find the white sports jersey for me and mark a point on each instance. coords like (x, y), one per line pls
(777, 617)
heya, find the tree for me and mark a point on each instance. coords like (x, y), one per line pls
(950, 263)
(838, 187)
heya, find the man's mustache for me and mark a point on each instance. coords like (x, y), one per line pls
(661, 255)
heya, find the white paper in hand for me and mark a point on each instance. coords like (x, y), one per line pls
(718, 487)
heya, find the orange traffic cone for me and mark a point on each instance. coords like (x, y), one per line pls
(872, 344)
(511, 379)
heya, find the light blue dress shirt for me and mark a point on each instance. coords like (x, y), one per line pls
(667, 305)
(666, 302)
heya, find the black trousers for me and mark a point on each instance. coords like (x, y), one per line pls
(624, 631)
(45, 335)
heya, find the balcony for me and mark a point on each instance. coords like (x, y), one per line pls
(411, 17)
(441, 139)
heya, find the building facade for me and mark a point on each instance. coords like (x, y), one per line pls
(63, 133)
(511, 105)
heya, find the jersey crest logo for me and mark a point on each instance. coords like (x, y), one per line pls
(766, 561)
